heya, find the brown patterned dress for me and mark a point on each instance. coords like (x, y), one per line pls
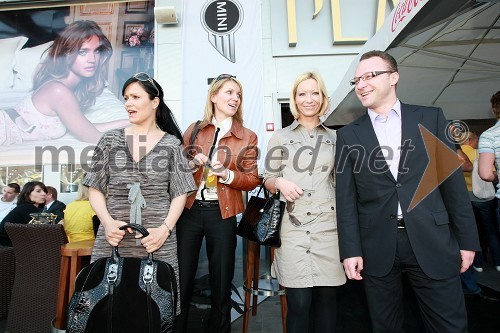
(139, 192)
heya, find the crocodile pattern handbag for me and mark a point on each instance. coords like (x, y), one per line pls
(122, 294)
(261, 220)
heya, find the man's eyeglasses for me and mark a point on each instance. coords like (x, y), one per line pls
(367, 76)
(289, 208)
(224, 76)
(141, 76)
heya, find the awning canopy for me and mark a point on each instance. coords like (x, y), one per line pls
(448, 55)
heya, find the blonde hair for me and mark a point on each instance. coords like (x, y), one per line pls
(214, 88)
(322, 88)
(83, 192)
(469, 136)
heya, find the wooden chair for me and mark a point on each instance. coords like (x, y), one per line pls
(37, 248)
(71, 264)
(251, 285)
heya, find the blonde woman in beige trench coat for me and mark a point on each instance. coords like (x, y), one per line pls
(299, 164)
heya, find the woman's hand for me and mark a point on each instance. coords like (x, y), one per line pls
(219, 170)
(113, 234)
(155, 239)
(200, 159)
(289, 189)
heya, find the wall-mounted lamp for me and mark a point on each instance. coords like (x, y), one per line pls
(166, 15)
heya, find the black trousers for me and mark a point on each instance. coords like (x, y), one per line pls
(311, 310)
(441, 302)
(220, 238)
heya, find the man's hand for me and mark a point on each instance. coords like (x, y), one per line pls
(353, 267)
(467, 258)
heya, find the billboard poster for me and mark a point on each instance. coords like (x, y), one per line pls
(62, 71)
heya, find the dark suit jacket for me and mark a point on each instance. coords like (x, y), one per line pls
(57, 208)
(367, 197)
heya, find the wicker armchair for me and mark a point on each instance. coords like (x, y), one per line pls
(37, 249)
(7, 273)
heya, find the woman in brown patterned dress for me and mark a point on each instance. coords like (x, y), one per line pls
(139, 175)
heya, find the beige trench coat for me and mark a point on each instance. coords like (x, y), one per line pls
(309, 253)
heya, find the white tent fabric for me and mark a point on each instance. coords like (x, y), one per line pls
(448, 56)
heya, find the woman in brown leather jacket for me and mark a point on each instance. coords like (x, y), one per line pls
(223, 156)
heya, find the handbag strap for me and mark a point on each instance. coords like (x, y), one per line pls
(195, 131)
(260, 189)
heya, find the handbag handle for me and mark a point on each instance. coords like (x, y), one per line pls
(262, 187)
(137, 227)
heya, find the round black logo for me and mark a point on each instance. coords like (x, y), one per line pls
(222, 17)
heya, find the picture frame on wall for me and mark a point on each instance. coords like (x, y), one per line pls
(134, 28)
(136, 7)
(128, 59)
(96, 9)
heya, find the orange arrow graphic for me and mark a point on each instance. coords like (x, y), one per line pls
(443, 161)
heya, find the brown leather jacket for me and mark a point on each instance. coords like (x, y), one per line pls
(237, 150)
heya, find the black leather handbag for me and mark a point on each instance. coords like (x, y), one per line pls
(119, 294)
(261, 220)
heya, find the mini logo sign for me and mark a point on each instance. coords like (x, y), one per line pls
(221, 19)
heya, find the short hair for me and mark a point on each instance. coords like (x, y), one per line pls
(52, 191)
(15, 187)
(322, 88)
(388, 59)
(495, 104)
(24, 196)
(469, 135)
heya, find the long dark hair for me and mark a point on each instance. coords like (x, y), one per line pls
(164, 116)
(62, 55)
(24, 196)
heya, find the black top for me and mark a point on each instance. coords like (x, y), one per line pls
(20, 214)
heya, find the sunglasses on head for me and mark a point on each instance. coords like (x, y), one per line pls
(224, 76)
(141, 76)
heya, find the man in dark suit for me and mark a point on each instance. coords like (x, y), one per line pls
(380, 161)
(54, 206)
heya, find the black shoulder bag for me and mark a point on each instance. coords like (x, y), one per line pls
(261, 220)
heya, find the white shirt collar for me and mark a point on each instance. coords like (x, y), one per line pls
(225, 125)
(396, 107)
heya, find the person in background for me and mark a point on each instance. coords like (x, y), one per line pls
(54, 206)
(30, 200)
(484, 210)
(139, 175)
(380, 162)
(470, 286)
(8, 201)
(489, 158)
(307, 263)
(78, 214)
(221, 175)
(65, 85)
